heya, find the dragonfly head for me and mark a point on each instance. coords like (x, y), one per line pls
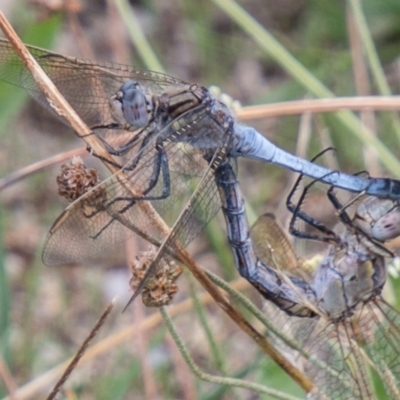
(378, 219)
(130, 105)
(388, 226)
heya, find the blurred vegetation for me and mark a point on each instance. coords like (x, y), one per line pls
(45, 312)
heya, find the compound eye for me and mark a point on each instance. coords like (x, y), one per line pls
(134, 106)
(387, 227)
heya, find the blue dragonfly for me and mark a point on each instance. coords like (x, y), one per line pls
(168, 137)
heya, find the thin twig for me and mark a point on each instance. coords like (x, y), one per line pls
(320, 106)
(39, 166)
(80, 352)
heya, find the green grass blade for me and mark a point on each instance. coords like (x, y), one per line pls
(372, 57)
(137, 36)
(5, 299)
(294, 68)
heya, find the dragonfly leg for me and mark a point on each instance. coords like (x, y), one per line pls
(121, 205)
(137, 135)
(129, 202)
(121, 151)
(341, 211)
(160, 163)
(295, 209)
(297, 213)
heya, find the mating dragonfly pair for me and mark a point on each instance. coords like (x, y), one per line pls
(168, 136)
(175, 143)
(348, 334)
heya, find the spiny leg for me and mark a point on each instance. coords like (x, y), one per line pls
(295, 209)
(131, 201)
(124, 149)
(341, 212)
(341, 208)
(160, 163)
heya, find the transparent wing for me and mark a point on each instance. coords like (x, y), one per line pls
(357, 358)
(87, 86)
(383, 344)
(163, 161)
(271, 243)
(273, 247)
(107, 214)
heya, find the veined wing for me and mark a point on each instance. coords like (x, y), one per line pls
(356, 357)
(161, 158)
(92, 224)
(272, 246)
(86, 85)
(202, 206)
(89, 87)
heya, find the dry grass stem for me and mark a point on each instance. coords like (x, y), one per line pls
(74, 362)
(39, 166)
(378, 103)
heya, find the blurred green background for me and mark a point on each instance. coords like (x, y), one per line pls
(45, 312)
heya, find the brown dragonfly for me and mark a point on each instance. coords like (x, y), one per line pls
(333, 308)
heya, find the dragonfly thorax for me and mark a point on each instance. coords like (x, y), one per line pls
(182, 101)
(348, 276)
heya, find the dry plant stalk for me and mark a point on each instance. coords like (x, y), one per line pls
(39, 166)
(80, 352)
(62, 107)
(319, 106)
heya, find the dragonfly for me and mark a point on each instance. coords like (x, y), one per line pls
(168, 137)
(335, 309)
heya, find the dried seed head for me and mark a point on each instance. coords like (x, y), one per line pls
(161, 288)
(75, 180)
